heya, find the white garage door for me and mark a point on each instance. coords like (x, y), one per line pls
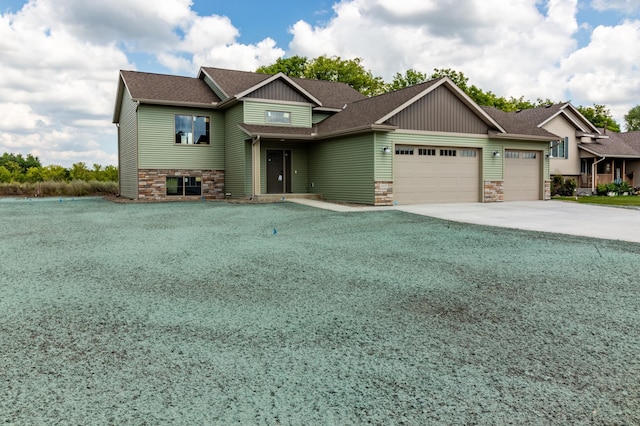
(522, 175)
(423, 174)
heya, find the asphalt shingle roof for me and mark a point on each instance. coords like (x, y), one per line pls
(518, 124)
(168, 88)
(617, 144)
(330, 94)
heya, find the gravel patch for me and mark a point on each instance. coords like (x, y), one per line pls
(219, 313)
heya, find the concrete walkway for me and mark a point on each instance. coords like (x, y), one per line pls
(559, 217)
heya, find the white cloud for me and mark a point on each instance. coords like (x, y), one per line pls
(517, 48)
(60, 62)
(626, 6)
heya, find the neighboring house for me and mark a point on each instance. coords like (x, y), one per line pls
(584, 151)
(244, 135)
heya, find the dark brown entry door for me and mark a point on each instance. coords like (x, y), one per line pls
(278, 171)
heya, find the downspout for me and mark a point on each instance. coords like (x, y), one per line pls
(255, 165)
(593, 173)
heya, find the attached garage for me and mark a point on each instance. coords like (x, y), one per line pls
(430, 174)
(522, 175)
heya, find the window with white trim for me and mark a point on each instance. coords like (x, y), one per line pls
(559, 149)
(278, 117)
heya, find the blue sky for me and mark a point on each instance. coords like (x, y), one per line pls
(57, 95)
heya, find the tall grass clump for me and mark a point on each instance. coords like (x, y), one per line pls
(74, 188)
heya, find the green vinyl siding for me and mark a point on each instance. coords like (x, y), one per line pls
(256, 112)
(343, 169)
(384, 162)
(157, 148)
(237, 176)
(299, 165)
(128, 148)
(318, 117)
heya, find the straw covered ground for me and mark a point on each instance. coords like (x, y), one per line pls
(219, 313)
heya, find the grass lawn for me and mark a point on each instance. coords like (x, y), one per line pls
(621, 200)
(218, 313)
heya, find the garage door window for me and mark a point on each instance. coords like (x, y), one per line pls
(529, 155)
(512, 154)
(447, 152)
(404, 151)
(468, 153)
(426, 151)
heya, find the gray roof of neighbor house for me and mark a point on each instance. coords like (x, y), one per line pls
(168, 89)
(331, 94)
(615, 145)
(517, 124)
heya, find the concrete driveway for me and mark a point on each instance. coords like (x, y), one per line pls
(612, 223)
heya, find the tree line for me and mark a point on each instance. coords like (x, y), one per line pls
(17, 168)
(353, 73)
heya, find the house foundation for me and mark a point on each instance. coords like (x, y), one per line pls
(493, 191)
(152, 183)
(383, 193)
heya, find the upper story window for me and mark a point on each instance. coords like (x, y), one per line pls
(278, 117)
(559, 149)
(192, 129)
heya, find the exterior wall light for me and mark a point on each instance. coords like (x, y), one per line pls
(496, 153)
(386, 150)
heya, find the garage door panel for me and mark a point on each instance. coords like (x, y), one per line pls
(448, 175)
(522, 175)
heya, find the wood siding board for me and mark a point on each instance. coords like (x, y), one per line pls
(343, 169)
(278, 90)
(235, 155)
(440, 111)
(256, 112)
(157, 148)
(128, 148)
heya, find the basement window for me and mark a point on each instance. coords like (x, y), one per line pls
(181, 186)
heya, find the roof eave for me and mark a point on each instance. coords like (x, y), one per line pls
(211, 105)
(284, 136)
(518, 136)
(360, 129)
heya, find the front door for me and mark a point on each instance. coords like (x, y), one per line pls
(278, 171)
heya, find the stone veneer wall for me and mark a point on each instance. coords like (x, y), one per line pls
(493, 191)
(547, 189)
(383, 193)
(152, 183)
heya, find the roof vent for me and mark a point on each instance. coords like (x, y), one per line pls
(344, 106)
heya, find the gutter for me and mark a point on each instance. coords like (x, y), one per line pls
(517, 136)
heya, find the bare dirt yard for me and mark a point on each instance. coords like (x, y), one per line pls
(219, 313)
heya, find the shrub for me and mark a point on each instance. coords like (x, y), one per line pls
(75, 188)
(562, 186)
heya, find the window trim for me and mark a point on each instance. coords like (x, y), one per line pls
(193, 130)
(285, 115)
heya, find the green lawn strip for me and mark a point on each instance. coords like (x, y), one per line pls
(620, 200)
(197, 313)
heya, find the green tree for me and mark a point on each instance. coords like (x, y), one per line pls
(632, 119)
(55, 173)
(349, 71)
(34, 174)
(294, 66)
(411, 77)
(600, 117)
(5, 175)
(110, 173)
(23, 164)
(457, 77)
(79, 171)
